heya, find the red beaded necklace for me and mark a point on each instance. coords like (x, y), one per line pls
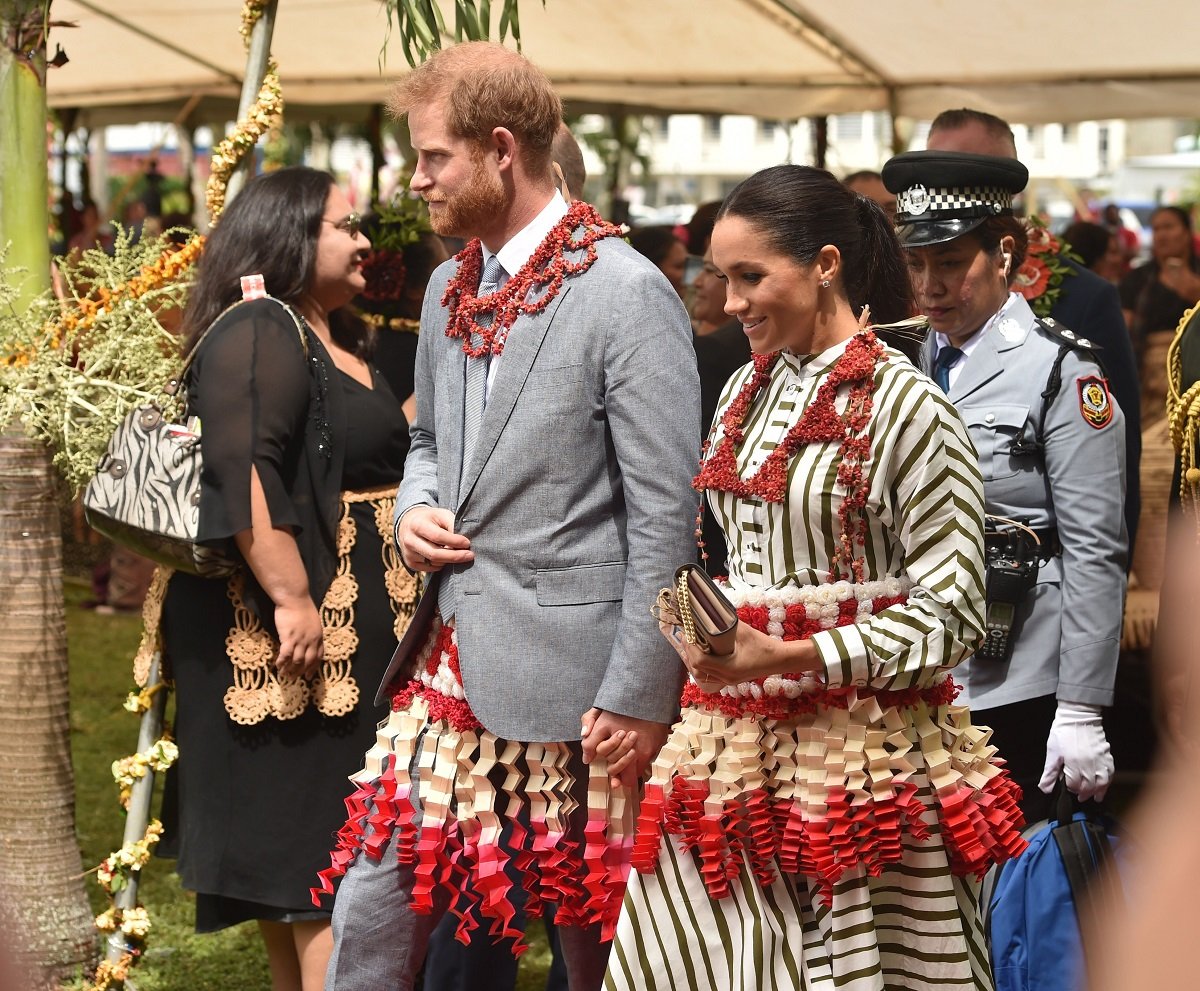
(820, 424)
(543, 274)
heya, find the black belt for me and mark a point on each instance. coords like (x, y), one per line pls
(1048, 542)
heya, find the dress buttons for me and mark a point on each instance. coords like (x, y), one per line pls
(990, 418)
(860, 682)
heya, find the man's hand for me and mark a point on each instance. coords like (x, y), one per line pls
(628, 744)
(428, 541)
(301, 638)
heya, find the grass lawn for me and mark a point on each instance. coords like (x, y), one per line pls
(101, 654)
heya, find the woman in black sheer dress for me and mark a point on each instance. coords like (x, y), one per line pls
(276, 668)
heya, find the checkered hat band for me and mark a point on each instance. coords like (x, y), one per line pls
(919, 201)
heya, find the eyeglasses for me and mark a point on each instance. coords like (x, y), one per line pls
(351, 223)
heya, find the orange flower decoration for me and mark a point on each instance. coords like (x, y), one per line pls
(1032, 278)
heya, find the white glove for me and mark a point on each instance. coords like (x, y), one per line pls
(1078, 749)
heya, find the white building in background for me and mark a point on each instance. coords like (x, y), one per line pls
(696, 158)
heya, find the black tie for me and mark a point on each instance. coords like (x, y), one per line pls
(946, 357)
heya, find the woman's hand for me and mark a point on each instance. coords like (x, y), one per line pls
(619, 749)
(755, 655)
(627, 743)
(1177, 276)
(301, 644)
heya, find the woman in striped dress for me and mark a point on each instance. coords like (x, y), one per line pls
(823, 811)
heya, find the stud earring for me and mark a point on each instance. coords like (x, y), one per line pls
(824, 283)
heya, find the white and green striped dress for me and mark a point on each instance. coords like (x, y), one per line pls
(813, 833)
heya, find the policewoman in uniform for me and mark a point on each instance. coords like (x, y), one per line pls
(1051, 448)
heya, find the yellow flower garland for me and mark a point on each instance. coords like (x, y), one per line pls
(229, 153)
(161, 755)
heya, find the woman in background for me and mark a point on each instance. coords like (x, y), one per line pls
(665, 250)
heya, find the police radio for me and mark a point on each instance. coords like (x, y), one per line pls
(1013, 553)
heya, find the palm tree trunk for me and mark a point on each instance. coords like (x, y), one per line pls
(40, 866)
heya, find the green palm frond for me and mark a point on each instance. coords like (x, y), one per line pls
(422, 28)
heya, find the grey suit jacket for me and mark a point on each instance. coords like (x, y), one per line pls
(1067, 633)
(578, 500)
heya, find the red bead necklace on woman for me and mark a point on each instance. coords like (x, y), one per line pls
(820, 424)
(543, 274)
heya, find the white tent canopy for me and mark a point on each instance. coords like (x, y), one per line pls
(1066, 60)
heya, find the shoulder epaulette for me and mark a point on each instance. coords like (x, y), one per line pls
(1058, 332)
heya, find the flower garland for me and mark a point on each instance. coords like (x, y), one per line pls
(820, 423)
(268, 107)
(115, 872)
(1040, 277)
(161, 755)
(543, 273)
(73, 365)
(133, 923)
(260, 118)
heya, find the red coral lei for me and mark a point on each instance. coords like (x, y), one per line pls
(541, 276)
(820, 424)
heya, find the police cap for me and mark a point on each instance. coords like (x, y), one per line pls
(941, 195)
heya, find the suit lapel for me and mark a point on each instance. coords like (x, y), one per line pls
(450, 442)
(981, 367)
(520, 350)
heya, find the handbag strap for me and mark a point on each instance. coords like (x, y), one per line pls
(1086, 852)
(297, 319)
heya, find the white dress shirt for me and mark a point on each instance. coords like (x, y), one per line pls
(971, 343)
(519, 248)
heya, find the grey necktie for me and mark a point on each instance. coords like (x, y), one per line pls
(474, 402)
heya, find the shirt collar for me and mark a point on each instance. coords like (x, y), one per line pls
(520, 247)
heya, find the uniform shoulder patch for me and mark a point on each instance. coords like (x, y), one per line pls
(1095, 402)
(1057, 332)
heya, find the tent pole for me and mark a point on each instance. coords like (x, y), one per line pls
(140, 797)
(375, 140)
(820, 140)
(256, 70)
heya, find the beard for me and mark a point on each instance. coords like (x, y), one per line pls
(469, 210)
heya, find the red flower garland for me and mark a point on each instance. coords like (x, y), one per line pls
(821, 423)
(543, 273)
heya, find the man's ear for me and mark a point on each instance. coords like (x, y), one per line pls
(504, 148)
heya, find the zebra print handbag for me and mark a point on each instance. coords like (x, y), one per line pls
(145, 494)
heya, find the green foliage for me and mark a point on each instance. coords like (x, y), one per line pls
(70, 378)
(401, 222)
(422, 28)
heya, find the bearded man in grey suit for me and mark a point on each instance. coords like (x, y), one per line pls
(547, 495)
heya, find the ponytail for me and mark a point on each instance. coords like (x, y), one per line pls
(880, 277)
